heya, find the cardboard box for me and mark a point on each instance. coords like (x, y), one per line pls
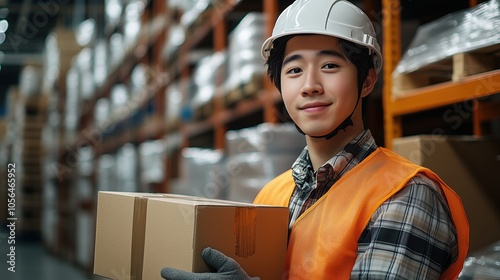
(137, 234)
(470, 166)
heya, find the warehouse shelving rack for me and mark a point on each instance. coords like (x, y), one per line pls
(148, 51)
(470, 88)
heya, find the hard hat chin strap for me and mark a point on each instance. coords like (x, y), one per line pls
(343, 126)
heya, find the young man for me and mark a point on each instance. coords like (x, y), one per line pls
(357, 210)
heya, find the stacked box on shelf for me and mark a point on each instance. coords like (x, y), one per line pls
(245, 64)
(29, 117)
(469, 165)
(258, 154)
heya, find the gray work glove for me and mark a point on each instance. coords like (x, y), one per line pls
(226, 267)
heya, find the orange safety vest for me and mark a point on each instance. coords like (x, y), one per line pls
(324, 240)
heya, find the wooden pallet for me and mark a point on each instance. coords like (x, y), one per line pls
(454, 68)
(232, 96)
(244, 91)
(204, 111)
(3, 128)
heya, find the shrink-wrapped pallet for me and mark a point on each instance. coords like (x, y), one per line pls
(258, 154)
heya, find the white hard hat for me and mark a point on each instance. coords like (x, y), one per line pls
(337, 18)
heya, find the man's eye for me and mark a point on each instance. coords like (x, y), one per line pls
(330, 66)
(294, 71)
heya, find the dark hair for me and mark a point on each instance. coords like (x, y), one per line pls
(357, 54)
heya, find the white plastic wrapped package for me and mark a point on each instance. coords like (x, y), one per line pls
(454, 33)
(71, 109)
(106, 173)
(100, 63)
(85, 161)
(113, 12)
(265, 138)
(127, 168)
(249, 172)
(52, 62)
(139, 80)
(84, 237)
(119, 97)
(102, 111)
(259, 165)
(202, 173)
(86, 32)
(244, 59)
(174, 102)
(205, 78)
(258, 154)
(152, 161)
(483, 265)
(30, 80)
(176, 37)
(116, 50)
(192, 11)
(86, 76)
(132, 21)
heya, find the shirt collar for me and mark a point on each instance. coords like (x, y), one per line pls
(354, 152)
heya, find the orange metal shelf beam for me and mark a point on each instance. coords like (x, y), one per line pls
(391, 24)
(271, 10)
(473, 87)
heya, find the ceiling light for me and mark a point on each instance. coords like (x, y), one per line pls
(3, 25)
(2, 38)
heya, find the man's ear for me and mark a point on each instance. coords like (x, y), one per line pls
(369, 84)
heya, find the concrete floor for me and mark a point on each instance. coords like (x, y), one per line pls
(33, 261)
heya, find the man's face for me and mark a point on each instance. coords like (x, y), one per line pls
(318, 83)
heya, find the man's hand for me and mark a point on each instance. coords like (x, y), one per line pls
(226, 267)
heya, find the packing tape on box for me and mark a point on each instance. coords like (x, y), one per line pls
(245, 224)
(245, 231)
(139, 235)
